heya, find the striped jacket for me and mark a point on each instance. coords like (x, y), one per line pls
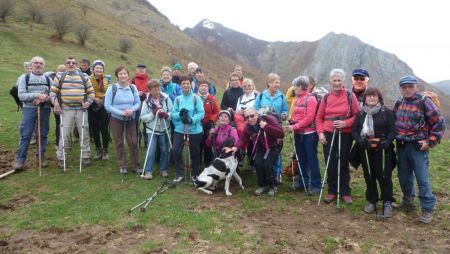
(413, 123)
(71, 91)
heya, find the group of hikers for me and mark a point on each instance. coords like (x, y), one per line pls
(181, 111)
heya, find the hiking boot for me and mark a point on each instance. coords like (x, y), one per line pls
(329, 198)
(299, 187)
(272, 191)
(33, 141)
(164, 174)
(105, 155)
(178, 179)
(369, 208)
(98, 154)
(86, 162)
(19, 166)
(407, 205)
(347, 199)
(387, 209)
(313, 192)
(260, 191)
(148, 176)
(138, 170)
(123, 171)
(426, 217)
(61, 164)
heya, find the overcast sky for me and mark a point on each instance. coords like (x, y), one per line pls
(416, 31)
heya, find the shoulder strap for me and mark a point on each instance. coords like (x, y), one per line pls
(114, 91)
(350, 101)
(27, 80)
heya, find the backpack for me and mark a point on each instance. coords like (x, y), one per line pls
(14, 91)
(420, 105)
(114, 91)
(349, 99)
(271, 111)
(434, 98)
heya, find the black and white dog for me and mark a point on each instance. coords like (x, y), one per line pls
(223, 168)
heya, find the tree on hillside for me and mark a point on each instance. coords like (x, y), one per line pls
(35, 13)
(83, 33)
(6, 8)
(61, 23)
(84, 6)
(125, 44)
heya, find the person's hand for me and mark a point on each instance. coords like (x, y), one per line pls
(339, 124)
(57, 109)
(262, 124)
(322, 139)
(98, 101)
(212, 131)
(85, 105)
(127, 113)
(163, 114)
(230, 149)
(424, 144)
(289, 128)
(42, 97)
(37, 101)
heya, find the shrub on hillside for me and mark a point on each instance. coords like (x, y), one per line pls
(61, 23)
(35, 13)
(6, 8)
(125, 44)
(83, 33)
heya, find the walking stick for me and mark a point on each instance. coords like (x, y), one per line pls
(298, 162)
(150, 142)
(39, 139)
(187, 166)
(63, 143)
(82, 139)
(370, 176)
(339, 170)
(326, 167)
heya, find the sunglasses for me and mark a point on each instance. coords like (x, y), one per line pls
(70, 62)
(249, 116)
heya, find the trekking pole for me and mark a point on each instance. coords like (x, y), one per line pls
(339, 170)
(168, 134)
(62, 138)
(299, 167)
(326, 167)
(150, 142)
(187, 166)
(39, 139)
(82, 138)
(165, 186)
(370, 177)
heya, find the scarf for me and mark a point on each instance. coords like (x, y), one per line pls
(204, 97)
(367, 129)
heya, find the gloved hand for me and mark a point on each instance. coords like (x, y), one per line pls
(364, 143)
(383, 145)
(210, 124)
(183, 112)
(291, 122)
(163, 114)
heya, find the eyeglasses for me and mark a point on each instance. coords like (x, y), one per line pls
(249, 116)
(359, 78)
(70, 62)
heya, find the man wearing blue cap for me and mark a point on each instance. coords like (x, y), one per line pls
(360, 78)
(419, 127)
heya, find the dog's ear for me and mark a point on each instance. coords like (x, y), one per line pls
(228, 142)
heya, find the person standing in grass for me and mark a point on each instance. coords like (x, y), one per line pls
(373, 132)
(33, 91)
(71, 95)
(122, 101)
(187, 114)
(208, 122)
(156, 116)
(98, 117)
(418, 127)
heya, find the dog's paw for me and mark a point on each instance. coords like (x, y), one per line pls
(228, 193)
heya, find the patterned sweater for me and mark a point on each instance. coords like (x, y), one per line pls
(413, 124)
(72, 90)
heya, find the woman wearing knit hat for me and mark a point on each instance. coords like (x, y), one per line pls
(98, 117)
(223, 131)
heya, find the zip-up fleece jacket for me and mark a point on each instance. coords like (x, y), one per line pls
(196, 112)
(273, 131)
(304, 116)
(149, 118)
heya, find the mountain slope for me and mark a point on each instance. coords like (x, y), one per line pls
(443, 86)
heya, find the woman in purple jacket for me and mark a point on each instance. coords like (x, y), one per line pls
(223, 131)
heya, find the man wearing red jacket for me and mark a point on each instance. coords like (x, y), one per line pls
(264, 131)
(140, 80)
(334, 121)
